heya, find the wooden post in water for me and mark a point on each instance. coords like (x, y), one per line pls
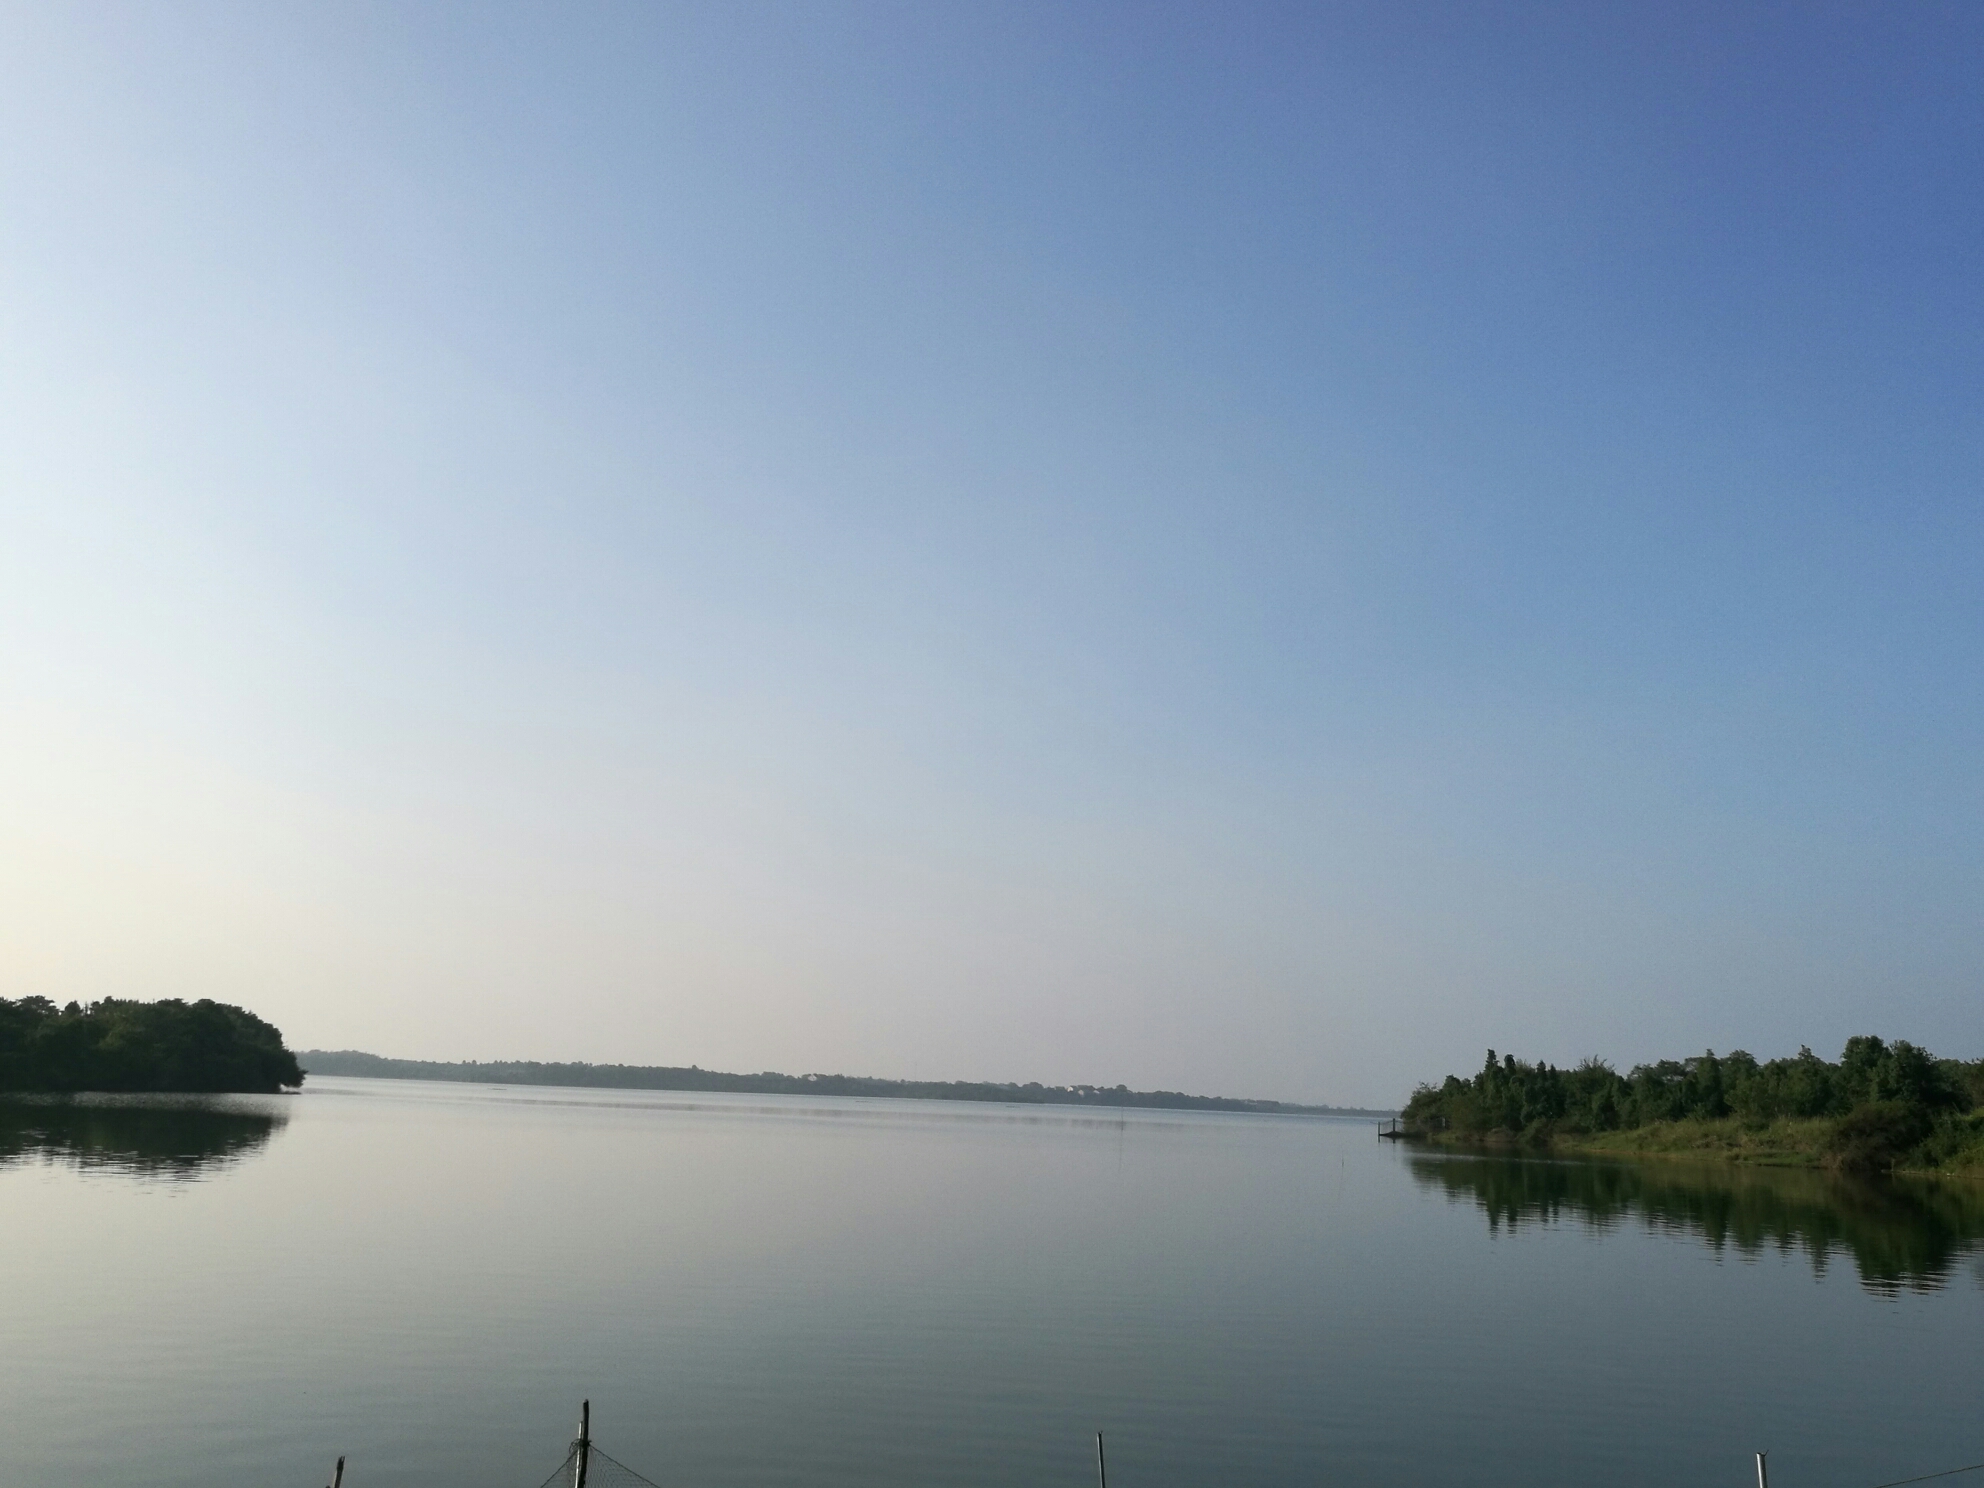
(337, 1478)
(1101, 1467)
(582, 1453)
(1763, 1472)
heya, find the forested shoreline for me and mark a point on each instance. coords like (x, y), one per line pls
(118, 1045)
(770, 1082)
(1878, 1106)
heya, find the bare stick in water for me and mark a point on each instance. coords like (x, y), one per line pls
(1101, 1468)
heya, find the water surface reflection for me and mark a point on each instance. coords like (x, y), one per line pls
(1903, 1234)
(172, 1137)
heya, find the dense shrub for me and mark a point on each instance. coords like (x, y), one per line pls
(1877, 1135)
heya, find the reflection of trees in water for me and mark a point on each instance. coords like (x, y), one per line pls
(161, 1137)
(1902, 1233)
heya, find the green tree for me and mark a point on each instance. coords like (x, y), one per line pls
(121, 1045)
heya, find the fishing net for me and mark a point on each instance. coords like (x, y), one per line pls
(601, 1472)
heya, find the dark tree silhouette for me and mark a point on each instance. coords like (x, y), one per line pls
(128, 1046)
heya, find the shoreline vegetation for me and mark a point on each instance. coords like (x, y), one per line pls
(770, 1082)
(1879, 1108)
(203, 1047)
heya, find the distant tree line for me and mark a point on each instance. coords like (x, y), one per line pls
(1884, 1097)
(133, 1046)
(770, 1082)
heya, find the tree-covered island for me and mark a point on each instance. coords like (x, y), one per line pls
(116, 1045)
(1880, 1106)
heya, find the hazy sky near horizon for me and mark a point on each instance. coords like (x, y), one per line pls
(1256, 549)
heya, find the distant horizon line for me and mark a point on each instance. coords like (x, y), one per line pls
(585, 1074)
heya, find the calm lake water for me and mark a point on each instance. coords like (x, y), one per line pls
(765, 1291)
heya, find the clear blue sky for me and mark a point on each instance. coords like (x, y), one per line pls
(1257, 549)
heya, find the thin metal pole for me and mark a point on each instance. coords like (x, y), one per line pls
(1101, 1467)
(1763, 1472)
(583, 1452)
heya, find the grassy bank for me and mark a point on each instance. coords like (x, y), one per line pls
(1788, 1142)
(1955, 1146)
